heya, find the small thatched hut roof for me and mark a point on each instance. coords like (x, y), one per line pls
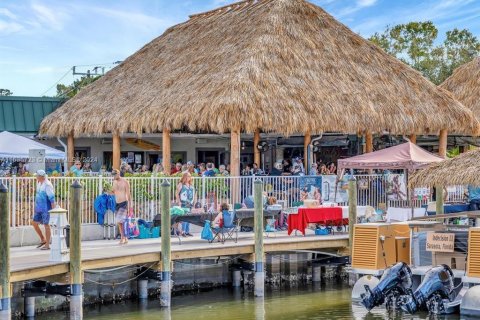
(461, 170)
(464, 84)
(281, 66)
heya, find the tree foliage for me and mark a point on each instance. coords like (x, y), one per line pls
(64, 91)
(5, 92)
(415, 43)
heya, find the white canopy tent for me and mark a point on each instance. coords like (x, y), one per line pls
(14, 146)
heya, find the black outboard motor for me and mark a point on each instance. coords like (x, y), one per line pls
(395, 282)
(436, 286)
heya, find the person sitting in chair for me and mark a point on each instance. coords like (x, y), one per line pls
(218, 221)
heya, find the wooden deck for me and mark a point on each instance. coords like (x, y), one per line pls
(29, 263)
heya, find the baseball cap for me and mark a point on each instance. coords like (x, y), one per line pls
(41, 173)
(189, 163)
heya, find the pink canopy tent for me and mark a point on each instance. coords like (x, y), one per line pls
(403, 156)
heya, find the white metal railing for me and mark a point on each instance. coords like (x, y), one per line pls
(210, 192)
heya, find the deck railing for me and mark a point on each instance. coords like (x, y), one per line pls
(378, 191)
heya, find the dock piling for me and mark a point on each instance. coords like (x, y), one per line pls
(259, 250)
(352, 211)
(236, 278)
(142, 287)
(29, 307)
(165, 290)
(316, 272)
(76, 274)
(5, 308)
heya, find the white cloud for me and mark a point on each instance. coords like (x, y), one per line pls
(133, 19)
(359, 5)
(7, 13)
(365, 3)
(49, 17)
(10, 27)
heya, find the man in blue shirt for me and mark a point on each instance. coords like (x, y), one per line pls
(210, 170)
(44, 201)
(474, 197)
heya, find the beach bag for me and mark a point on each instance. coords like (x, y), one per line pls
(207, 233)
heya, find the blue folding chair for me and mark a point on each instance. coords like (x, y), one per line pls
(229, 230)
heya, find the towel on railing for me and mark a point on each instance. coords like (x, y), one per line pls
(102, 204)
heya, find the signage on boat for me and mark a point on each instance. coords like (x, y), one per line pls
(440, 242)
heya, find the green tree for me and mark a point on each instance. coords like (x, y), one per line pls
(414, 44)
(68, 91)
(5, 92)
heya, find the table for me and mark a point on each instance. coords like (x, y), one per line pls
(404, 214)
(313, 215)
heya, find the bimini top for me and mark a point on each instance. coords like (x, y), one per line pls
(403, 156)
(283, 66)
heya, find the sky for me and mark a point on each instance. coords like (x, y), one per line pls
(41, 40)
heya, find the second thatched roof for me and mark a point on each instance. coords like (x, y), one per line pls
(464, 84)
(281, 66)
(461, 170)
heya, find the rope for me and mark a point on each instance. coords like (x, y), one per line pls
(112, 270)
(206, 264)
(119, 283)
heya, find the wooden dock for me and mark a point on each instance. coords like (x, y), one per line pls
(29, 263)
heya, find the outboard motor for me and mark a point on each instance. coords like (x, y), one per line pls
(436, 286)
(394, 283)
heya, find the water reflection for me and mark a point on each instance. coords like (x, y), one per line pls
(306, 302)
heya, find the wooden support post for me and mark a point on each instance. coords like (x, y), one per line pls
(256, 151)
(352, 211)
(70, 151)
(259, 250)
(368, 142)
(306, 143)
(116, 151)
(442, 143)
(439, 201)
(165, 290)
(166, 151)
(235, 152)
(413, 138)
(76, 276)
(5, 312)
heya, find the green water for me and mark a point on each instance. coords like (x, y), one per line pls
(330, 301)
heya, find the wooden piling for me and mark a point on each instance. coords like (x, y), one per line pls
(5, 305)
(439, 201)
(352, 211)
(259, 250)
(165, 291)
(76, 275)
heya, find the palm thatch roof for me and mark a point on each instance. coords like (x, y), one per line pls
(464, 84)
(282, 66)
(460, 170)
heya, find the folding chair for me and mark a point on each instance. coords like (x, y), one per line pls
(229, 230)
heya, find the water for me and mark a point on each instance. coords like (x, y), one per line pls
(308, 302)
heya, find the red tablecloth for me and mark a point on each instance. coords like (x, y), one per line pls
(313, 215)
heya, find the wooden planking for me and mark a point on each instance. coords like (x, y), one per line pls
(39, 272)
(143, 253)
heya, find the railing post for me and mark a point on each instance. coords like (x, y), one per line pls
(259, 251)
(5, 312)
(100, 184)
(204, 201)
(14, 201)
(165, 290)
(76, 275)
(352, 210)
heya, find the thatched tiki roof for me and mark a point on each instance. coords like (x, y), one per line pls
(461, 170)
(464, 84)
(281, 66)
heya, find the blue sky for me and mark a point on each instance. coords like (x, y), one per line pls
(40, 40)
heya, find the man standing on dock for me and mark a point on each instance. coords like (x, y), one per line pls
(44, 201)
(121, 189)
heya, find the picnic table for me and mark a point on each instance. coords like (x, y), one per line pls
(321, 215)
